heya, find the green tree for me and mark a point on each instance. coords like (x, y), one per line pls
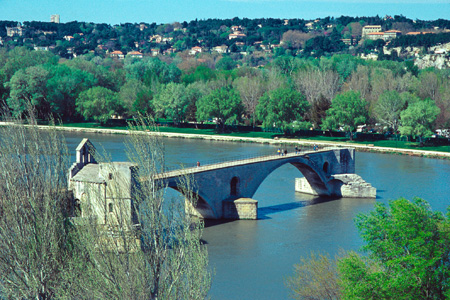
(63, 87)
(226, 63)
(388, 108)
(409, 254)
(171, 101)
(99, 103)
(144, 103)
(129, 93)
(28, 87)
(418, 118)
(222, 104)
(281, 107)
(347, 111)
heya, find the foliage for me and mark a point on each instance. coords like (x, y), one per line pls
(418, 118)
(223, 104)
(48, 253)
(28, 87)
(99, 103)
(409, 254)
(347, 111)
(171, 101)
(389, 107)
(35, 240)
(315, 277)
(281, 107)
(64, 84)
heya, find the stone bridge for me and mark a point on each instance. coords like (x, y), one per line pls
(225, 190)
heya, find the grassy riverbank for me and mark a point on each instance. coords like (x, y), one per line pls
(391, 146)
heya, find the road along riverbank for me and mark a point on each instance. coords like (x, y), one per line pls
(277, 141)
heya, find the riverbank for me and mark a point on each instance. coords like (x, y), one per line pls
(276, 141)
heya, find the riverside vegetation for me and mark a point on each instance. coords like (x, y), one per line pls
(48, 252)
(407, 248)
(337, 93)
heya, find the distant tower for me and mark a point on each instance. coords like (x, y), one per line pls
(54, 18)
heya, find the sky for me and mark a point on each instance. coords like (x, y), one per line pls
(167, 11)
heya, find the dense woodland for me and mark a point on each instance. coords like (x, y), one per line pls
(290, 89)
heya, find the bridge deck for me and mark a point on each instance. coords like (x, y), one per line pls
(238, 162)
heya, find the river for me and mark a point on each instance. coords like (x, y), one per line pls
(251, 259)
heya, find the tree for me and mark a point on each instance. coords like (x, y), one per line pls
(418, 118)
(63, 87)
(281, 107)
(48, 253)
(28, 87)
(250, 89)
(388, 109)
(359, 81)
(315, 277)
(171, 101)
(35, 241)
(129, 93)
(319, 87)
(222, 104)
(409, 253)
(157, 254)
(226, 63)
(347, 111)
(295, 39)
(99, 103)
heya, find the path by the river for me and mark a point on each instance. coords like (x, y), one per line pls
(277, 141)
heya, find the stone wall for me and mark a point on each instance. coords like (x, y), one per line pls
(240, 209)
(344, 185)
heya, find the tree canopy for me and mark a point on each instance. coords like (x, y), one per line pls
(347, 111)
(409, 254)
(418, 118)
(281, 107)
(223, 104)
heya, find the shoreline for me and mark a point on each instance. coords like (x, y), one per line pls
(282, 141)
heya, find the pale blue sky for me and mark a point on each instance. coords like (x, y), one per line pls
(167, 11)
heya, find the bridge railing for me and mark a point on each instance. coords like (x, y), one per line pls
(229, 161)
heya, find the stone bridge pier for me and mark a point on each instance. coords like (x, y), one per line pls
(226, 190)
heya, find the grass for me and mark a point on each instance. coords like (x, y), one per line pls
(271, 135)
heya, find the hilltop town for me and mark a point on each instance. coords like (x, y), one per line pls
(252, 42)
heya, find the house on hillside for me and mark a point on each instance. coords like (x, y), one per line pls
(221, 49)
(375, 36)
(392, 34)
(154, 51)
(370, 29)
(14, 31)
(237, 35)
(135, 54)
(117, 54)
(195, 50)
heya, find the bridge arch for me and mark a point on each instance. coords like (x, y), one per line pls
(315, 175)
(201, 208)
(242, 178)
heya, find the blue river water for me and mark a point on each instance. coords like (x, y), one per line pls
(252, 259)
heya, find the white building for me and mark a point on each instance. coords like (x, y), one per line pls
(54, 19)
